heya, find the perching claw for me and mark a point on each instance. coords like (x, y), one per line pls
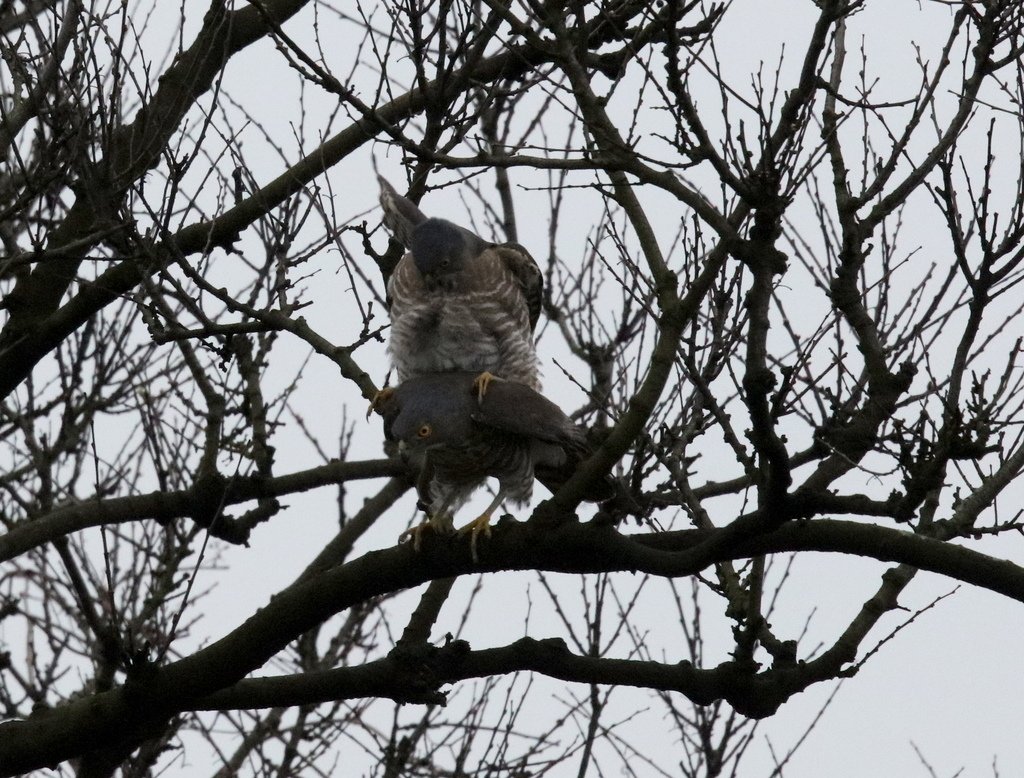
(481, 525)
(383, 395)
(441, 524)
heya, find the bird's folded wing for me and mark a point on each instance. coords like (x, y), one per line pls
(519, 410)
(523, 266)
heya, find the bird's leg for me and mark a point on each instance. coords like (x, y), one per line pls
(439, 524)
(382, 396)
(482, 382)
(439, 521)
(481, 525)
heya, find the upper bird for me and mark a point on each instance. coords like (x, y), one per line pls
(458, 302)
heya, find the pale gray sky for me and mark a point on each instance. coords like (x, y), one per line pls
(948, 684)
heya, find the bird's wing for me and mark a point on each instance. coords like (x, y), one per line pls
(558, 446)
(519, 263)
(519, 410)
(400, 213)
(405, 283)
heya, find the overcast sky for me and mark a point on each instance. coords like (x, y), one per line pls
(950, 684)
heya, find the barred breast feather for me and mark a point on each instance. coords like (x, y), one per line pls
(475, 320)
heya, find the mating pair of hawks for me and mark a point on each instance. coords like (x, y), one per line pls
(466, 408)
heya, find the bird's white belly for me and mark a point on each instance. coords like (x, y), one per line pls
(442, 338)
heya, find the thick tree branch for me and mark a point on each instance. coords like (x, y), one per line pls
(165, 506)
(146, 700)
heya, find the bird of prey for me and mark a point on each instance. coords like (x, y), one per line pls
(458, 302)
(458, 440)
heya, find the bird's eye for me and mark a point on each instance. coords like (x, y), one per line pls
(424, 431)
(445, 262)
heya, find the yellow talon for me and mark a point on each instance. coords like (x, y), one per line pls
(416, 533)
(481, 525)
(481, 383)
(439, 525)
(382, 396)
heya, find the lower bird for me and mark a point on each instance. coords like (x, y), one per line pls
(458, 440)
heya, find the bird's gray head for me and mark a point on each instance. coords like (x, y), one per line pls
(431, 413)
(440, 248)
